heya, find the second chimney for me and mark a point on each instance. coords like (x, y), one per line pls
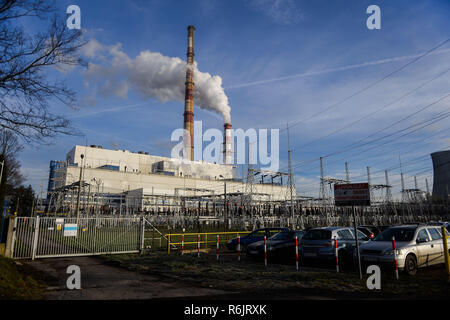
(227, 144)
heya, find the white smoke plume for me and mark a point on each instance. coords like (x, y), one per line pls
(154, 76)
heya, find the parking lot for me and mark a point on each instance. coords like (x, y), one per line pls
(251, 279)
(405, 248)
(279, 270)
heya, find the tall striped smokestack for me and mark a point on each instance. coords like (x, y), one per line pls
(189, 97)
(227, 144)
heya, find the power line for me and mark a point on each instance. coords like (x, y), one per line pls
(354, 145)
(370, 85)
(377, 110)
(351, 147)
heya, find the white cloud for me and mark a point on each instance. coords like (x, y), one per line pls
(155, 76)
(92, 48)
(280, 11)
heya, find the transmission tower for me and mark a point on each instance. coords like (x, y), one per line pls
(247, 200)
(347, 173)
(388, 188)
(322, 192)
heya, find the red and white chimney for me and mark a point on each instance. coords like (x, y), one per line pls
(227, 144)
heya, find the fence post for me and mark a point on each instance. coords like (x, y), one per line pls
(217, 249)
(395, 257)
(168, 243)
(35, 238)
(11, 237)
(336, 253)
(296, 252)
(239, 248)
(198, 246)
(446, 255)
(265, 251)
(142, 233)
(182, 244)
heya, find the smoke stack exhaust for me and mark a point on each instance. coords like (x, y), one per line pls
(227, 144)
(189, 98)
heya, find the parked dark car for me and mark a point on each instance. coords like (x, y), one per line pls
(374, 229)
(382, 228)
(366, 231)
(280, 246)
(255, 236)
(318, 244)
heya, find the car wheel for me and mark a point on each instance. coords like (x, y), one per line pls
(410, 265)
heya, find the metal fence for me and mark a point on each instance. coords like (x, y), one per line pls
(210, 224)
(40, 237)
(196, 240)
(44, 237)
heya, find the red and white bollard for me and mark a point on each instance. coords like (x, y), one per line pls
(395, 257)
(182, 244)
(217, 249)
(239, 248)
(336, 253)
(198, 246)
(265, 251)
(296, 252)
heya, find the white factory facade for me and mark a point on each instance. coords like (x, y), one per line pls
(145, 182)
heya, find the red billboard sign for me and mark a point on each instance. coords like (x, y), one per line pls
(352, 194)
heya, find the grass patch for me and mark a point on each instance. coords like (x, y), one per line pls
(19, 282)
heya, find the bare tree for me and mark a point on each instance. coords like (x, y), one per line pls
(11, 175)
(25, 91)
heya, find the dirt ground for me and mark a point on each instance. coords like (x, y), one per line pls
(162, 276)
(100, 281)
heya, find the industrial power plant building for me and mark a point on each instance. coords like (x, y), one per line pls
(143, 182)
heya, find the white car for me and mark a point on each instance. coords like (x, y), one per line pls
(417, 246)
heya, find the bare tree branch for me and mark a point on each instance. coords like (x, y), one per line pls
(25, 90)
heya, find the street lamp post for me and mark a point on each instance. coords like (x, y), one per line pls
(98, 182)
(79, 189)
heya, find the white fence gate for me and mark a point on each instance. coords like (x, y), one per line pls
(45, 237)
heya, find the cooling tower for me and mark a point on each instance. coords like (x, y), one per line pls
(441, 180)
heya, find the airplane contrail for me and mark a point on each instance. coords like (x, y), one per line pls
(344, 68)
(115, 109)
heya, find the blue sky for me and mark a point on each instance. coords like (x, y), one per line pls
(281, 61)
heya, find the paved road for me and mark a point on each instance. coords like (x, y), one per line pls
(100, 281)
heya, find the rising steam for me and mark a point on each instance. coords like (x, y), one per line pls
(154, 76)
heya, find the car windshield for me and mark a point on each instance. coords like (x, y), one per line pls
(317, 234)
(400, 234)
(282, 236)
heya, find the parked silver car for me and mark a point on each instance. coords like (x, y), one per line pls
(318, 243)
(417, 246)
